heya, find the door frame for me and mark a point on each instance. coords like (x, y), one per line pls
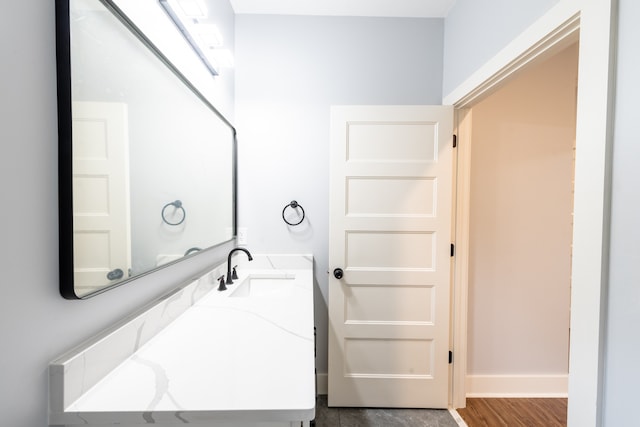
(593, 22)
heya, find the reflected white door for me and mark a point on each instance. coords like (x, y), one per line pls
(101, 230)
(390, 233)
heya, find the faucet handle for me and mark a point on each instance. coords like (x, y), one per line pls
(234, 275)
(221, 286)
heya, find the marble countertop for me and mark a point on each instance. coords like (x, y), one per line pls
(226, 357)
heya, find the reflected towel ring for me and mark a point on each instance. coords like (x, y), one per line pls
(192, 250)
(178, 205)
(293, 205)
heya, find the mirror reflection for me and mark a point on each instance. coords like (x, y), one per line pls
(151, 162)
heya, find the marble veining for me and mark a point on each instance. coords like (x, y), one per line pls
(81, 368)
(161, 382)
(197, 355)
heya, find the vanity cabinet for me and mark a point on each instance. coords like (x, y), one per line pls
(243, 357)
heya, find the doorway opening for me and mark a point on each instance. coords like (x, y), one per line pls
(520, 233)
(521, 208)
(557, 29)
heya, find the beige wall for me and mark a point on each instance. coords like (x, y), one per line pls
(520, 240)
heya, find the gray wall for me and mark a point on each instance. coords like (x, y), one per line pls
(36, 324)
(622, 353)
(289, 71)
(476, 30)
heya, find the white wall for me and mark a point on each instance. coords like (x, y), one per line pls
(290, 70)
(520, 229)
(622, 351)
(36, 323)
(476, 30)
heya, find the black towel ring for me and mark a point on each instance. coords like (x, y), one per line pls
(293, 205)
(178, 205)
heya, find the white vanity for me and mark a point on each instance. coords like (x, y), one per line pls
(241, 357)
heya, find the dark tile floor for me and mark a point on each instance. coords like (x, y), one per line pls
(375, 417)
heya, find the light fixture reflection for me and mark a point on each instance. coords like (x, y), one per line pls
(208, 35)
(190, 8)
(205, 39)
(222, 57)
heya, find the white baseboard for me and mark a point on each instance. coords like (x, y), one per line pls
(322, 383)
(457, 418)
(517, 385)
(498, 385)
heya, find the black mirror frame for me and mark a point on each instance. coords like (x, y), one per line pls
(65, 145)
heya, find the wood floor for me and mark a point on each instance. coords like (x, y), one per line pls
(498, 412)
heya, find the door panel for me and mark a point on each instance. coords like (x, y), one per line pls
(101, 225)
(389, 304)
(391, 196)
(390, 230)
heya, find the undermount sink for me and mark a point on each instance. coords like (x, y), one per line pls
(263, 285)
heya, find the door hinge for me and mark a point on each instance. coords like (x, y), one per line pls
(453, 249)
(455, 141)
(451, 357)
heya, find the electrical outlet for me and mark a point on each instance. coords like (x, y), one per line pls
(242, 235)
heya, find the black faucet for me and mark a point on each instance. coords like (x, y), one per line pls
(221, 286)
(229, 279)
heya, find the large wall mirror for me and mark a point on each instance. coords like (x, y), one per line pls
(146, 164)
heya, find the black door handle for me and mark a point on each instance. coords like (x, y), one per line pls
(338, 273)
(115, 274)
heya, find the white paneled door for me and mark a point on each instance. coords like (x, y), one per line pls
(390, 237)
(101, 226)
